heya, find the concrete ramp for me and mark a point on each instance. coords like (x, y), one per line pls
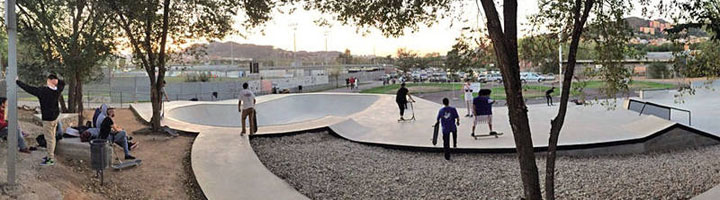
(281, 111)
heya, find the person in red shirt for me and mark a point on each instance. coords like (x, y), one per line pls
(22, 146)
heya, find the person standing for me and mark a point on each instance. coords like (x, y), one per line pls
(548, 96)
(483, 110)
(352, 83)
(468, 97)
(401, 98)
(357, 83)
(246, 107)
(48, 96)
(448, 118)
(347, 83)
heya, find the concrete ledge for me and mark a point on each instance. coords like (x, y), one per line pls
(73, 148)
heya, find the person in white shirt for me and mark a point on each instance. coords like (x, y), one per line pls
(468, 97)
(246, 107)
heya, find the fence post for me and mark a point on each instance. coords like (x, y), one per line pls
(121, 100)
(135, 94)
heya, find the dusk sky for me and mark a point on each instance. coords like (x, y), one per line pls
(311, 37)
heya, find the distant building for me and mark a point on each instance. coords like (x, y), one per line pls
(638, 66)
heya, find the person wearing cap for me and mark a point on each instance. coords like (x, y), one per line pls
(48, 97)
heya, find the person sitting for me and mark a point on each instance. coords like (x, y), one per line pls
(110, 131)
(22, 146)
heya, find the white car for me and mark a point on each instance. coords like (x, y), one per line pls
(490, 78)
(531, 76)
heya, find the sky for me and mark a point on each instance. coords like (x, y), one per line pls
(311, 37)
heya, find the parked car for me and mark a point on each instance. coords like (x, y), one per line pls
(531, 76)
(490, 78)
(549, 76)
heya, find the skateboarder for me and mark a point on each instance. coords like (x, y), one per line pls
(548, 96)
(401, 98)
(448, 118)
(468, 97)
(48, 96)
(483, 110)
(246, 106)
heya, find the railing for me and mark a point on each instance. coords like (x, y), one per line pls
(662, 111)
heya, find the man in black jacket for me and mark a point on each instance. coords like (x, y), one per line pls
(48, 96)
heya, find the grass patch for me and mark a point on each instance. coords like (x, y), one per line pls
(634, 85)
(415, 88)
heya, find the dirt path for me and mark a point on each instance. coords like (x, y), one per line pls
(164, 174)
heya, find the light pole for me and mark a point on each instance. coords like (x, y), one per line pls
(293, 26)
(10, 78)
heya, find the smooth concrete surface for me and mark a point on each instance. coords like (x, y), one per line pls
(224, 163)
(296, 108)
(703, 105)
(226, 166)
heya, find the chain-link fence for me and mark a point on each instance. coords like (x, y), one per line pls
(121, 91)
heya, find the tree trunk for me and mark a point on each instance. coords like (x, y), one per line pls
(63, 106)
(559, 120)
(156, 101)
(72, 95)
(505, 46)
(78, 99)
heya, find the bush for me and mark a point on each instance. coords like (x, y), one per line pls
(658, 70)
(198, 77)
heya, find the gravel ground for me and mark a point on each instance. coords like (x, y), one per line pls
(322, 166)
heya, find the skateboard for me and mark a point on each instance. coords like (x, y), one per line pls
(170, 131)
(124, 165)
(436, 128)
(127, 164)
(476, 136)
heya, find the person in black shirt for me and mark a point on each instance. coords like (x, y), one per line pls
(401, 100)
(548, 96)
(48, 96)
(112, 132)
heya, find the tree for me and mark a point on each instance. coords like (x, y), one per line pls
(155, 29)
(406, 60)
(610, 34)
(540, 50)
(345, 58)
(76, 35)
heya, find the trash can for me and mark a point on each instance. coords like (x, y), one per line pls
(100, 156)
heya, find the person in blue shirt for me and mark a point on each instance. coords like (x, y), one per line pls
(448, 118)
(483, 110)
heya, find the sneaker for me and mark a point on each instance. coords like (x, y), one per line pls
(48, 162)
(129, 157)
(25, 150)
(472, 134)
(33, 149)
(493, 133)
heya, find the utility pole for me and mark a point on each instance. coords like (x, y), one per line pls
(232, 55)
(10, 78)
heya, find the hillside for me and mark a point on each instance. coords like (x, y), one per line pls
(263, 52)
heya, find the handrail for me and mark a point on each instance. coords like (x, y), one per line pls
(670, 108)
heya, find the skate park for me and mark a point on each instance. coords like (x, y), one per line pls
(372, 119)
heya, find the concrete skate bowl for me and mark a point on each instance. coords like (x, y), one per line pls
(281, 111)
